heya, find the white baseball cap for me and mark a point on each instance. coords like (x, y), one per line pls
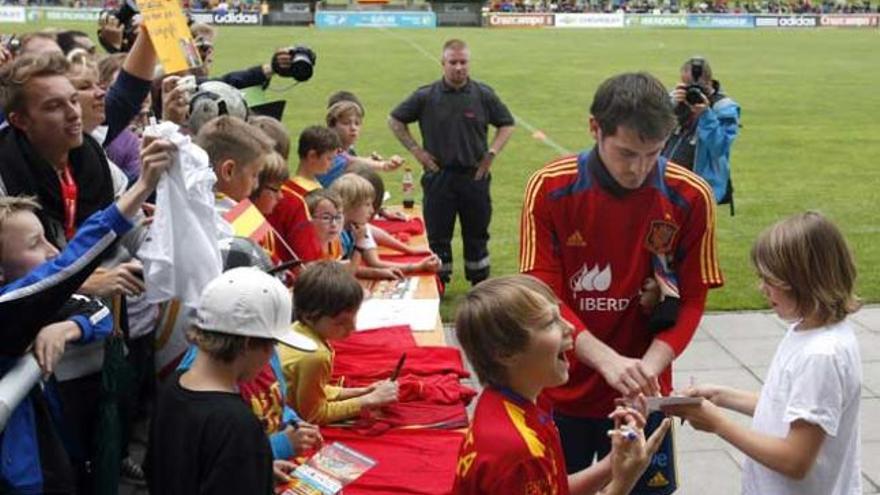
(250, 303)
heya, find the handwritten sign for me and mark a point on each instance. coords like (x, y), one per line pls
(171, 37)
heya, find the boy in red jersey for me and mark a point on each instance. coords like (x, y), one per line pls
(597, 227)
(290, 218)
(513, 334)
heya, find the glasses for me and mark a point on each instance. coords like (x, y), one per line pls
(330, 219)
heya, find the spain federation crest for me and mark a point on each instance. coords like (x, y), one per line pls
(660, 236)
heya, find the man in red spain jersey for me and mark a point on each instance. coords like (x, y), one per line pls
(290, 218)
(513, 334)
(597, 228)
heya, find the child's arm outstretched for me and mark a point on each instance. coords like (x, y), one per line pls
(792, 456)
(741, 401)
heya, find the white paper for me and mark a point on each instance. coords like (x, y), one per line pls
(420, 314)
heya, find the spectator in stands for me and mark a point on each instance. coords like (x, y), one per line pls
(316, 147)
(325, 301)
(455, 157)
(708, 124)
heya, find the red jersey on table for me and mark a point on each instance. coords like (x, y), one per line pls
(292, 221)
(512, 447)
(595, 243)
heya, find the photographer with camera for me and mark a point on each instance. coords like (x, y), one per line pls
(708, 123)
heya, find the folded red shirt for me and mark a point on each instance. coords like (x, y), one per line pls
(413, 226)
(415, 461)
(396, 338)
(377, 364)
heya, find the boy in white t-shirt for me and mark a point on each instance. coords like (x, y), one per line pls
(804, 438)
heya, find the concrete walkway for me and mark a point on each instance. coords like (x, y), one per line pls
(736, 349)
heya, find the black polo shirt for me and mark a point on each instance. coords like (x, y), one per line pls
(454, 122)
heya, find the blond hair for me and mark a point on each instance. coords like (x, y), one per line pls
(10, 205)
(109, 65)
(230, 138)
(15, 76)
(495, 319)
(807, 256)
(354, 190)
(342, 109)
(274, 171)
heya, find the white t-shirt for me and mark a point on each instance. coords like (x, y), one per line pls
(815, 376)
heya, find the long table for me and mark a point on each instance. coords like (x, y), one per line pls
(427, 284)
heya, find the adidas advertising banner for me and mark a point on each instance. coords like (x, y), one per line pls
(383, 19)
(589, 20)
(520, 20)
(237, 19)
(807, 21)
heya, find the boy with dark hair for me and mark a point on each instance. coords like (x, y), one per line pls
(598, 228)
(316, 148)
(326, 300)
(203, 436)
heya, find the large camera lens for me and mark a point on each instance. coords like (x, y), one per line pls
(694, 94)
(303, 64)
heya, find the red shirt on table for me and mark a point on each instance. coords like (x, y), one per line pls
(593, 242)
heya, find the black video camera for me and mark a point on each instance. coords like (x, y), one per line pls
(124, 14)
(302, 64)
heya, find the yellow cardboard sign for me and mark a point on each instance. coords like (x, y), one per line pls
(171, 36)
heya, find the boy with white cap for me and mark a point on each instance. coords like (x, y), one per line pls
(203, 437)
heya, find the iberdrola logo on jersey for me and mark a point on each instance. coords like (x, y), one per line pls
(591, 279)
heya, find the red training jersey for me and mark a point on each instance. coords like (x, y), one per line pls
(292, 221)
(512, 447)
(593, 243)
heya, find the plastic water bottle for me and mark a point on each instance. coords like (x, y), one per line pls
(409, 188)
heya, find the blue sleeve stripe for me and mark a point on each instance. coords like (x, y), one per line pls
(91, 240)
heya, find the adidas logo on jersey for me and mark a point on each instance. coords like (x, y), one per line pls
(591, 279)
(576, 240)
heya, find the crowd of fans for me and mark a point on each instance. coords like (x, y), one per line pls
(689, 6)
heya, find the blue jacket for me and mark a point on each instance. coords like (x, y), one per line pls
(26, 305)
(717, 128)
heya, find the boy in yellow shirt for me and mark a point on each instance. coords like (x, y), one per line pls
(326, 299)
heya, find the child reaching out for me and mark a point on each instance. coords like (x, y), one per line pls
(804, 437)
